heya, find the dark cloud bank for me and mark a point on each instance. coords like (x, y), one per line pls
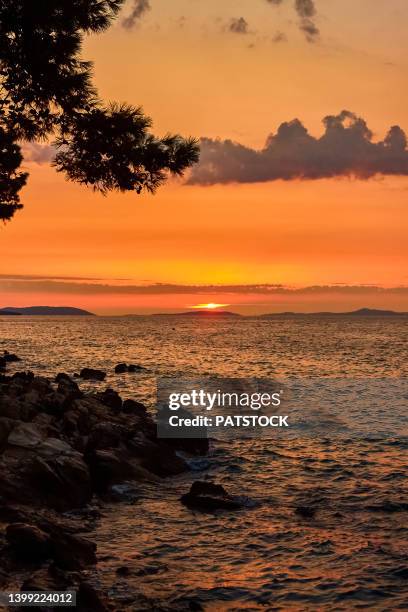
(80, 286)
(346, 149)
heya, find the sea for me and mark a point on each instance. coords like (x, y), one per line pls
(351, 555)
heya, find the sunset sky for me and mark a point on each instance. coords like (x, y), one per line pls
(234, 70)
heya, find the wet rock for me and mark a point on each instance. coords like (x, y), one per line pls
(69, 389)
(122, 368)
(193, 446)
(52, 447)
(26, 435)
(13, 514)
(108, 467)
(150, 570)
(40, 384)
(133, 407)
(208, 497)
(89, 600)
(47, 579)
(125, 492)
(23, 377)
(135, 368)
(6, 426)
(92, 407)
(205, 487)
(305, 511)
(104, 436)
(110, 398)
(76, 420)
(10, 357)
(72, 552)
(92, 374)
(13, 407)
(28, 542)
(157, 457)
(61, 376)
(62, 481)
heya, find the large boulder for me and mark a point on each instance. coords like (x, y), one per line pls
(108, 467)
(62, 481)
(110, 398)
(6, 426)
(133, 407)
(13, 407)
(35, 543)
(106, 435)
(71, 552)
(157, 457)
(26, 435)
(28, 542)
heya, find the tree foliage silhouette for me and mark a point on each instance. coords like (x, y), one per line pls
(46, 92)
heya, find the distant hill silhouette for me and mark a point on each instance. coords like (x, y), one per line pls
(198, 313)
(208, 313)
(45, 310)
(361, 312)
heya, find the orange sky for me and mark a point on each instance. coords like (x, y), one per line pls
(193, 76)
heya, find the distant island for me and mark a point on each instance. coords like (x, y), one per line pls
(45, 311)
(210, 314)
(361, 312)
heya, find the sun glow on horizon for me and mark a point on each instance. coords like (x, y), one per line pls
(209, 306)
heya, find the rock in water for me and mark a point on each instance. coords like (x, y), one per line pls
(10, 357)
(91, 374)
(208, 497)
(305, 511)
(135, 368)
(121, 368)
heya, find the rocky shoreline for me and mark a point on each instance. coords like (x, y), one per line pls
(63, 453)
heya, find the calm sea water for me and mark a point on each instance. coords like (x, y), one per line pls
(352, 555)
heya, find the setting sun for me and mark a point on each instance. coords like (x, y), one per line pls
(210, 306)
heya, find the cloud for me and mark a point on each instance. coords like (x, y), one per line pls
(239, 26)
(345, 149)
(139, 9)
(306, 11)
(305, 8)
(38, 153)
(279, 37)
